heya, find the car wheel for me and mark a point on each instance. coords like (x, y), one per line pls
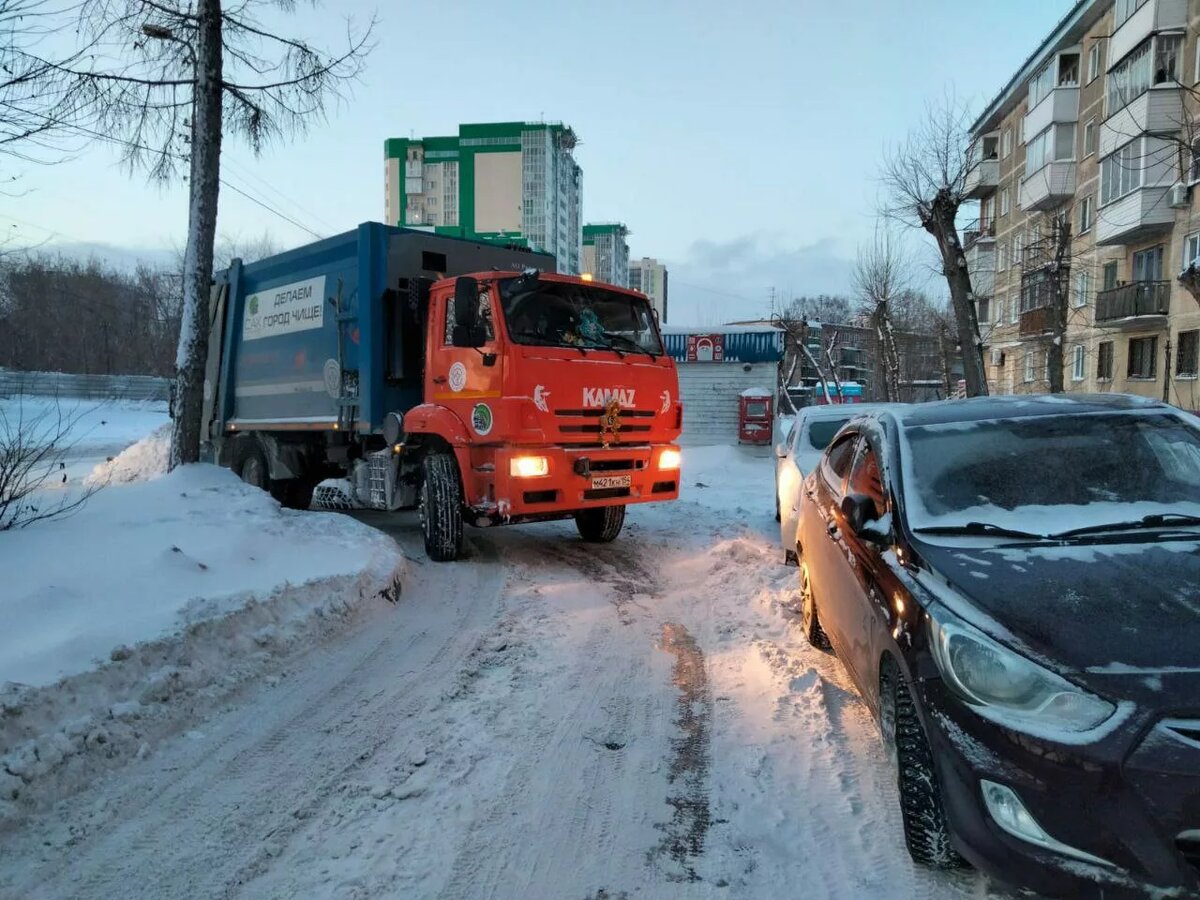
(926, 830)
(810, 623)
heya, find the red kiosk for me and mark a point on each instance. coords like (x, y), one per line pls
(755, 416)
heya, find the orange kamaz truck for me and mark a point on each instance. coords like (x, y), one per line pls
(465, 379)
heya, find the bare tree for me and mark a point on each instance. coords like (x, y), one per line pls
(880, 275)
(34, 447)
(167, 80)
(797, 335)
(926, 179)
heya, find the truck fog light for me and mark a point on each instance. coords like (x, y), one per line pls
(670, 459)
(528, 466)
(1010, 813)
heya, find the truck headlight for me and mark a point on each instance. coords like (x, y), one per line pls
(670, 459)
(1010, 690)
(528, 466)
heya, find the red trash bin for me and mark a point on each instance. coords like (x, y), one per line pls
(755, 417)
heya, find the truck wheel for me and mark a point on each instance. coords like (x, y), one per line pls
(295, 493)
(441, 507)
(251, 466)
(601, 524)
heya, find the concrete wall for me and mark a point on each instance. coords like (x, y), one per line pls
(710, 394)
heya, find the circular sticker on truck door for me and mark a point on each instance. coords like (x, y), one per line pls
(481, 418)
(458, 377)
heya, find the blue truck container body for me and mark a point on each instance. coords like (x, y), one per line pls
(301, 331)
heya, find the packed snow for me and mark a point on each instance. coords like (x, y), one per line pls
(544, 719)
(153, 599)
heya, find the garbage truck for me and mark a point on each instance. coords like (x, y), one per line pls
(465, 379)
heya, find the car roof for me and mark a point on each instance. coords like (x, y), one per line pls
(1019, 406)
(842, 410)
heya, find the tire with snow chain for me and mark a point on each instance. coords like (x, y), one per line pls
(441, 507)
(810, 622)
(926, 829)
(600, 525)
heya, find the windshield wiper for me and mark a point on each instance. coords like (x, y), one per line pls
(637, 348)
(986, 529)
(1154, 520)
(543, 341)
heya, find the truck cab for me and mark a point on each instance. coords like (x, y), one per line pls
(492, 397)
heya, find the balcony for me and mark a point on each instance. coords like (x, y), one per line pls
(981, 264)
(982, 178)
(1049, 186)
(1035, 322)
(1139, 305)
(1138, 215)
(974, 233)
(1157, 111)
(1061, 105)
(1154, 15)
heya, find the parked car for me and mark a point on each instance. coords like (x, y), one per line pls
(1014, 586)
(797, 454)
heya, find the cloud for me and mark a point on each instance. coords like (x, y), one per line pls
(721, 281)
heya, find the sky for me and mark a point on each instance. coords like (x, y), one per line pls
(740, 142)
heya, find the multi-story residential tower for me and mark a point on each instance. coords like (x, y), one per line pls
(509, 182)
(1084, 171)
(650, 277)
(606, 253)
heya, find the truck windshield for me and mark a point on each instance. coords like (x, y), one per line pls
(560, 314)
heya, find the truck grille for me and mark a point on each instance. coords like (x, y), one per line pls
(584, 424)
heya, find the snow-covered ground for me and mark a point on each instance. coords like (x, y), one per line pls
(545, 719)
(123, 620)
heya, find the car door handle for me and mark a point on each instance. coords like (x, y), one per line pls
(832, 527)
(440, 379)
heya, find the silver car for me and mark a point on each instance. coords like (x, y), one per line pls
(798, 453)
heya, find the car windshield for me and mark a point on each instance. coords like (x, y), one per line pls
(822, 431)
(1073, 471)
(555, 313)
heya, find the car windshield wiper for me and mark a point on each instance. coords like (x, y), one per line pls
(1154, 520)
(986, 529)
(637, 348)
(543, 341)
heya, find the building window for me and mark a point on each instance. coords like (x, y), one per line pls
(1148, 264)
(1191, 249)
(1001, 255)
(1089, 138)
(1018, 248)
(1006, 143)
(1194, 167)
(1197, 73)
(1014, 310)
(1041, 85)
(1094, 62)
(1004, 201)
(1121, 173)
(1104, 361)
(1110, 275)
(1083, 288)
(1085, 214)
(1143, 357)
(983, 310)
(1029, 367)
(1077, 364)
(1124, 9)
(1187, 362)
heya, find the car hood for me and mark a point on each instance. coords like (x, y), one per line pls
(1094, 609)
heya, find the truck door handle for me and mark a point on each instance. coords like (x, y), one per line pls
(440, 379)
(831, 527)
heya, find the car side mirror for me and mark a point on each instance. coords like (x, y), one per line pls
(467, 331)
(862, 519)
(781, 450)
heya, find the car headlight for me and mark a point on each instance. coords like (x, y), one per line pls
(1005, 687)
(670, 459)
(528, 466)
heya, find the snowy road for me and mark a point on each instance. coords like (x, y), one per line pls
(547, 719)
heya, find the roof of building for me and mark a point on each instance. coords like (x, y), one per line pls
(1069, 29)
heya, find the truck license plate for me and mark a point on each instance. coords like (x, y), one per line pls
(600, 482)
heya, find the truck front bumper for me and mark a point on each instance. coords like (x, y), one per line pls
(544, 482)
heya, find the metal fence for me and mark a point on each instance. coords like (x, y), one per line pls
(88, 387)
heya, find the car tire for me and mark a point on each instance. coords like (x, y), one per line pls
(926, 829)
(810, 621)
(441, 507)
(600, 525)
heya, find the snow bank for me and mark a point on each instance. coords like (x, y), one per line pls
(144, 460)
(154, 593)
